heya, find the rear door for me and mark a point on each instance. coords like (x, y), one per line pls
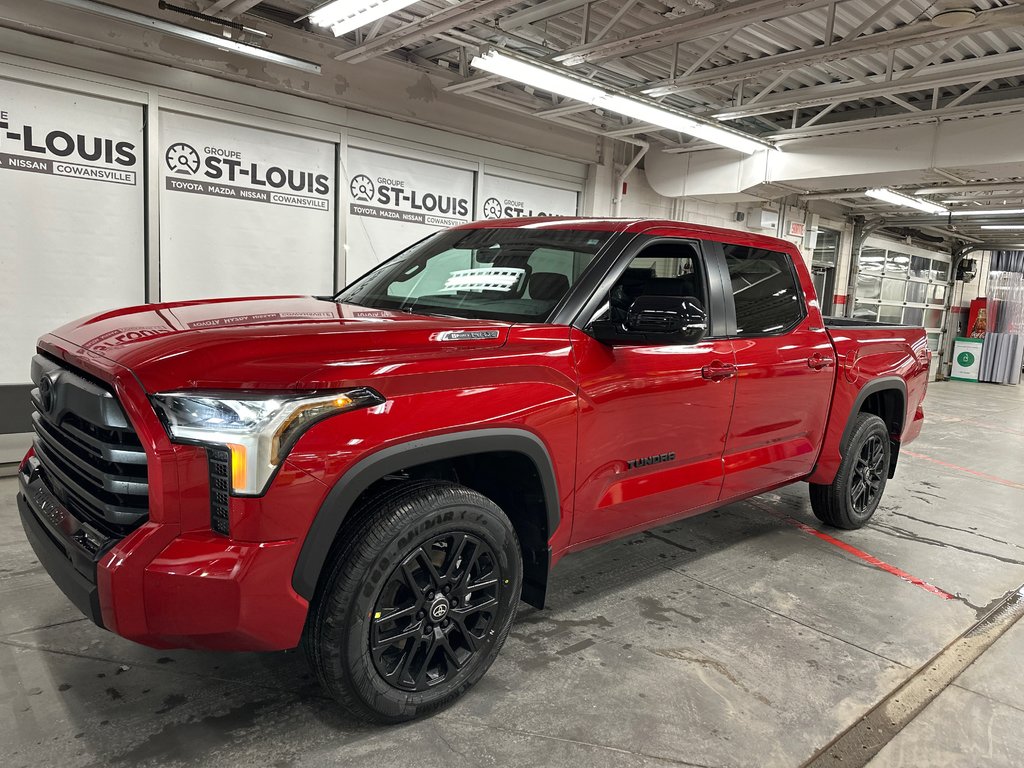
(653, 417)
(785, 371)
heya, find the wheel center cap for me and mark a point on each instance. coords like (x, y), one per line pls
(439, 609)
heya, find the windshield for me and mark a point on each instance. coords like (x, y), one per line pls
(518, 275)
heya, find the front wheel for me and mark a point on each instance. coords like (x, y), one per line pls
(417, 603)
(852, 498)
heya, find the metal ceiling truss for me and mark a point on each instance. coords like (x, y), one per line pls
(778, 69)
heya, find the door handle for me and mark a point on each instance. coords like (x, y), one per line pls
(817, 361)
(718, 371)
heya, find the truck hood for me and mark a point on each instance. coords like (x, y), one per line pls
(274, 342)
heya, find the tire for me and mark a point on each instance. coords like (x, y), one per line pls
(383, 636)
(852, 498)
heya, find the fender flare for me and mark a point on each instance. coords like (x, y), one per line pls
(336, 506)
(876, 385)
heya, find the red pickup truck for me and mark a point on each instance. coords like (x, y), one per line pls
(383, 474)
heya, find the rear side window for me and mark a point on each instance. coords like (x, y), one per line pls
(765, 289)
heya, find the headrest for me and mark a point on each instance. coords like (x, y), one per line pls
(548, 286)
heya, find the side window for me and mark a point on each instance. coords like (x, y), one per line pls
(765, 289)
(662, 269)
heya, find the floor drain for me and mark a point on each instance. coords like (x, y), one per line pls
(864, 739)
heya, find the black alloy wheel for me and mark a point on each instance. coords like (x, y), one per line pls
(868, 475)
(435, 611)
(852, 497)
(417, 600)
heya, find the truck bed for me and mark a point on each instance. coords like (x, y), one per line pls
(852, 322)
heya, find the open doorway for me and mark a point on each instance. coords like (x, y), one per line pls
(823, 267)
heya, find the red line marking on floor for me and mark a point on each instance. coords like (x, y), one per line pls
(958, 468)
(858, 553)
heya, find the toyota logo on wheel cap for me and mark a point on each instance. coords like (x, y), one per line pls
(439, 609)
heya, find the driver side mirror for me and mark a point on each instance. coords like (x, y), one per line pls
(656, 320)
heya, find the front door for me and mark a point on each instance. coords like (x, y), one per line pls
(653, 417)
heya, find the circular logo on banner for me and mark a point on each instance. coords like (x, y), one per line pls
(965, 359)
(182, 158)
(492, 208)
(362, 188)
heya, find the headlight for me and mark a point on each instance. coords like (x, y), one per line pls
(257, 429)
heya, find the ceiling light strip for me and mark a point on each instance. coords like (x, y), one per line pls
(344, 16)
(570, 86)
(895, 198)
(992, 212)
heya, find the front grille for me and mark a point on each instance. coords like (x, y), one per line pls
(91, 457)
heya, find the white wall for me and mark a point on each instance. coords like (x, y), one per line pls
(274, 124)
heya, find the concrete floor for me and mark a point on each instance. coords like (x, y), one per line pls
(732, 639)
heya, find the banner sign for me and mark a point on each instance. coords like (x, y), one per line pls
(54, 151)
(966, 359)
(72, 213)
(510, 198)
(243, 211)
(395, 201)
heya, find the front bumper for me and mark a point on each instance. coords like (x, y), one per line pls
(164, 588)
(68, 548)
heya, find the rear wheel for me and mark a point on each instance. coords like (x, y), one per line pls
(852, 498)
(417, 603)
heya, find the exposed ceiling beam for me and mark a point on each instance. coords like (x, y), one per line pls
(809, 130)
(985, 186)
(230, 9)
(832, 195)
(539, 12)
(914, 34)
(212, 9)
(691, 26)
(625, 7)
(428, 26)
(938, 75)
(960, 222)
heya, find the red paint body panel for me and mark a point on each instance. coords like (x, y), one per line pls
(175, 583)
(640, 401)
(782, 402)
(864, 355)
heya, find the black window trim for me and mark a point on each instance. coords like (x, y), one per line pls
(711, 264)
(731, 301)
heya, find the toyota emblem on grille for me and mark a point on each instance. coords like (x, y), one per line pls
(46, 393)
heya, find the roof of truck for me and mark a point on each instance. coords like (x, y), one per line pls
(637, 226)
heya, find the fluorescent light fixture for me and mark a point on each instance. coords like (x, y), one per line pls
(546, 80)
(1003, 226)
(187, 33)
(344, 16)
(571, 87)
(888, 196)
(983, 212)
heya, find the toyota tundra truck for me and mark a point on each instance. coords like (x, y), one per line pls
(380, 476)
